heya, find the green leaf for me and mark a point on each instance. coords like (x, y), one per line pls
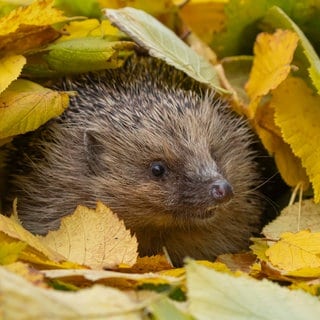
(163, 43)
(165, 309)
(87, 54)
(25, 106)
(215, 295)
(243, 18)
(277, 18)
(88, 8)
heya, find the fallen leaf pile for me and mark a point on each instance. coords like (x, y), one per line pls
(262, 56)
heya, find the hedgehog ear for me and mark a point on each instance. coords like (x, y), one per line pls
(93, 151)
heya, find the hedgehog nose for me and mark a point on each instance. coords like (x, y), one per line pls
(221, 190)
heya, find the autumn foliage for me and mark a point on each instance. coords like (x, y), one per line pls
(263, 57)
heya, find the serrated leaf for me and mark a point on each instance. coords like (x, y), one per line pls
(95, 238)
(271, 64)
(38, 13)
(94, 303)
(162, 43)
(11, 231)
(278, 18)
(32, 23)
(297, 113)
(25, 106)
(259, 248)
(295, 251)
(10, 69)
(288, 164)
(289, 219)
(10, 251)
(215, 295)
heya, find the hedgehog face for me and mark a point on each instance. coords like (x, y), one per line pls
(173, 167)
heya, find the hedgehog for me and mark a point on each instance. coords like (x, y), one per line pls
(161, 150)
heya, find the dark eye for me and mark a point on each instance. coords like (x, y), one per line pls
(158, 169)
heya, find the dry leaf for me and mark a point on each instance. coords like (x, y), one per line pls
(148, 264)
(295, 251)
(95, 238)
(238, 261)
(289, 220)
(9, 229)
(99, 275)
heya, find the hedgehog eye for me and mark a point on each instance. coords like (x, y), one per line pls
(158, 169)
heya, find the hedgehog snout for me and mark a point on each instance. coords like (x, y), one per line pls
(221, 190)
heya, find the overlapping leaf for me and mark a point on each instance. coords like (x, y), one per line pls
(95, 238)
(11, 67)
(297, 113)
(162, 43)
(26, 105)
(302, 250)
(28, 27)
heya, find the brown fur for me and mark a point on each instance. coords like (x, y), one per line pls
(101, 148)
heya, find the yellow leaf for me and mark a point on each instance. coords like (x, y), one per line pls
(26, 105)
(38, 13)
(297, 113)
(95, 238)
(295, 251)
(10, 230)
(88, 28)
(259, 248)
(205, 18)
(288, 164)
(10, 251)
(271, 64)
(304, 273)
(313, 289)
(291, 219)
(29, 27)
(10, 69)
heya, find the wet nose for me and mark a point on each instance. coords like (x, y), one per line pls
(221, 190)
